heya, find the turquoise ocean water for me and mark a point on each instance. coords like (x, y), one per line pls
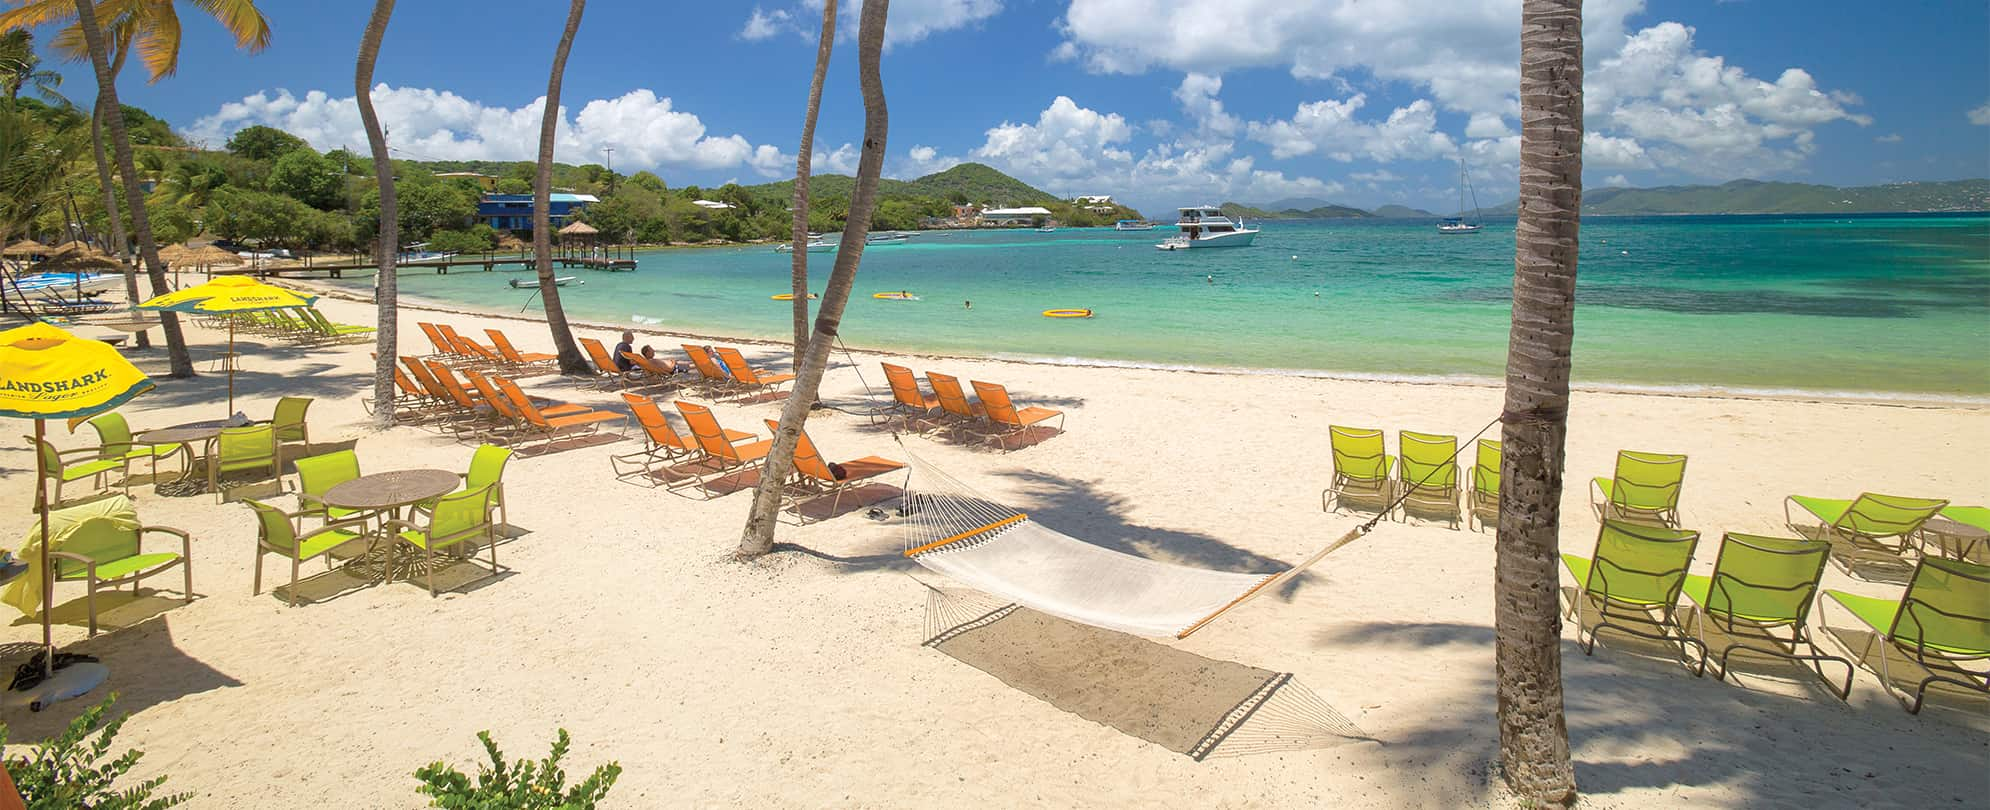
(1896, 304)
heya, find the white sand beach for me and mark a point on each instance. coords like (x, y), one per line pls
(800, 680)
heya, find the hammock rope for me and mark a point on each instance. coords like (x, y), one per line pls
(953, 530)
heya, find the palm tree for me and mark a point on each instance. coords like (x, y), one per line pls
(386, 282)
(571, 361)
(803, 157)
(181, 364)
(1533, 733)
(21, 68)
(34, 155)
(758, 536)
(153, 26)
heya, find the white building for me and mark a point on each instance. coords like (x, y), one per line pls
(712, 204)
(1008, 217)
(1102, 199)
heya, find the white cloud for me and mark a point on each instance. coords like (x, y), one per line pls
(1377, 176)
(1891, 137)
(763, 24)
(924, 160)
(1067, 141)
(1617, 181)
(1197, 95)
(841, 160)
(1605, 152)
(1980, 116)
(1487, 125)
(1330, 128)
(646, 131)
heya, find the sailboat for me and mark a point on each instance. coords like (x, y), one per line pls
(1457, 224)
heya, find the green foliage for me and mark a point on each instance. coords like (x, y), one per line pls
(522, 785)
(476, 239)
(307, 176)
(32, 157)
(262, 143)
(73, 771)
(145, 130)
(170, 223)
(622, 216)
(513, 185)
(647, 181)
(350, 162)
(274, 219)
(424, 207)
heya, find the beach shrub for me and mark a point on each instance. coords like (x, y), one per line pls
(72, 771)
(522, 785)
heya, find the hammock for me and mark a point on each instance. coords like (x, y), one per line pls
(1002, 552)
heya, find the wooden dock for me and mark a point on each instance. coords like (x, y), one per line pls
(487, 262)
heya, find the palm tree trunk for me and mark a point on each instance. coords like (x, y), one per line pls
(758, 537)
(386, 284)
(1533, 732)
(803, 157)
(180, 363)
(118, 240)
(571, 360)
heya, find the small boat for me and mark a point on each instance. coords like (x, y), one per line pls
(901, 295)
(886, 238)
(814, 246)
(1133, 225)
(1457, 224)
(791, 297)
(1067, 313)
(1046, 229)
(561, 281)
(1205, 226)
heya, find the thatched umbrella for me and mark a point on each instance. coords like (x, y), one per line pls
(28, 247)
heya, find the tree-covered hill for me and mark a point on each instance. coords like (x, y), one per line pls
(1759, 197)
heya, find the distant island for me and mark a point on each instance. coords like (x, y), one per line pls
(1760, 197)
(1316, 208)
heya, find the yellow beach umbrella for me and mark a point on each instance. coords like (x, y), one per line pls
(227, 295)
(47, 373)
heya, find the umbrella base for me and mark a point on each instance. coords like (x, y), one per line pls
(68, 682)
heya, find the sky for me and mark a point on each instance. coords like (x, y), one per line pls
(1360, 102)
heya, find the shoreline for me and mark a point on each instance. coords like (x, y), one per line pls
(1894, 399)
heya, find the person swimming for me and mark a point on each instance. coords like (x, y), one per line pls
(967, 304)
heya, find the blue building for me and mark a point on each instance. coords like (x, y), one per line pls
(513, 212)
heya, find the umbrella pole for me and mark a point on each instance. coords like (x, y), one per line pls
(47, 575)
(230, 359)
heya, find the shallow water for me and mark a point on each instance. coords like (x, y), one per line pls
(1755, 303)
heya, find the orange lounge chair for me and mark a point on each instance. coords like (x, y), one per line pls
(604, 362)
(476, 415)
(440, 402)
(747, 375)
(707, 367)
(474, 354)
(732, 459)
(906, 397)
(501, 404)
(515, 357)
(651, 371)
(995, 401)
(954, 403)
(435, 338)
(814, 478)
(408, 403)
(548, 425)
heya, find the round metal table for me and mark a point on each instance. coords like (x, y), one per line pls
(203, 433)
(1954, 539)
(388, 493)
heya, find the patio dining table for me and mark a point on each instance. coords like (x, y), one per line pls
(388, 493)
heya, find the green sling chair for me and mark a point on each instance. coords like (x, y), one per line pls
(1363, 468)
(276, 533)
(1941, 622)
(1482, 498)
(316, 475)
(486, 470)
(244, 449)
(1633, 583)
(457, 518)
(1759, 585)
(1645, 486)
(58, 469)
(114, 442)
(1866, 523)
(104, 551)
(1429, 475)
(289, 421)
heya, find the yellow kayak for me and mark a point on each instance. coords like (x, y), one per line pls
(791, 297)
(1067, 313)
(901, 295)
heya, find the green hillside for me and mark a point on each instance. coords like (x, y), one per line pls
(962, 184)
(1234, 210)
(1759, 197)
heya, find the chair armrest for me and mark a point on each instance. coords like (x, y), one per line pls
(92, 451)
(393, 523)
(180, 533)
(358, 524)
(90, 565)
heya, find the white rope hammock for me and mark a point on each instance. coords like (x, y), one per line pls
(1000, 551)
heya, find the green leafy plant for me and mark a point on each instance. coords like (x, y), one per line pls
(522, 785)
(71, 770)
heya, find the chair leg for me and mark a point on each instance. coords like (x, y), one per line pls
(187, 563)
(428, 557)
(257, 589)
(91, 598)
(294, 565)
